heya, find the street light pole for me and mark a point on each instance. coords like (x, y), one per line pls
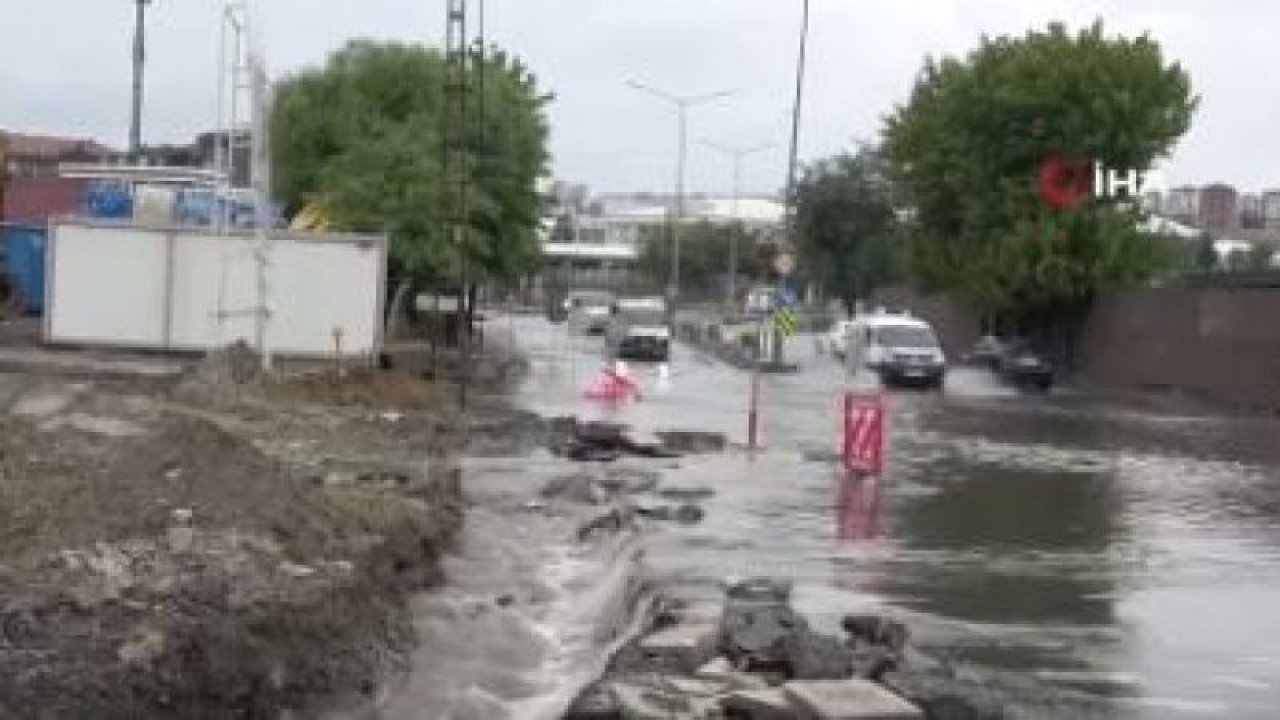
(682, 104)
(738, 154)
(139, 59)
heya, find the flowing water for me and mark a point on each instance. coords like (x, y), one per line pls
(1049, 545)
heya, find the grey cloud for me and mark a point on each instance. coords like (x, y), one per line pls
(67, 69)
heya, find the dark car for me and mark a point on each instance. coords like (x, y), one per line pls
(1020, 365)
(986, 352)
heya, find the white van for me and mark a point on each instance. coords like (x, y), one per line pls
(903, 349)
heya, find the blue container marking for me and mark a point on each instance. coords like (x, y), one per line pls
(24, 247)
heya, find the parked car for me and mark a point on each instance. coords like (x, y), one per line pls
(1021, 366)
(904, 350)
(986, 352)
(589, 311)
(638, 330)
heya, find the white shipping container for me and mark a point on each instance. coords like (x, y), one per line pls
(192, 289)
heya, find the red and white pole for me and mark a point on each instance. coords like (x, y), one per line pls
(753, 412)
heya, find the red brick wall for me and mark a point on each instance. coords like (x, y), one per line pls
(36, 199)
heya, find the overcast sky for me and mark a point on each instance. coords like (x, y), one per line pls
(64, 67)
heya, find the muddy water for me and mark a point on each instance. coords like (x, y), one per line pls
(1051, 546)
(530, 613)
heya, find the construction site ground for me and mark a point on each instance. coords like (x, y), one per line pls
(193, 538)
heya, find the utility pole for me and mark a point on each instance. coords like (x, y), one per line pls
(457, 174)
(682, 104)
(789, 239)
(738, 154)
(139, 60)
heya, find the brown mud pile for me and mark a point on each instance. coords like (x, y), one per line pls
(234, 549)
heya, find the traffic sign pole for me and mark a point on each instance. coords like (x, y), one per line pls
(753, 411)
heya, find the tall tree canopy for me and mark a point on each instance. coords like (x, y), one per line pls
(968, 148)
(363, 135)
(846, 225)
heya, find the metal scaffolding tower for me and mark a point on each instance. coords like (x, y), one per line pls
(243, 109)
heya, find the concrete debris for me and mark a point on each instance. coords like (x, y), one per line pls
(853, 699)
(763, 589)
(876, 630)
(760, 660)
(764, 704)
(687, 494)
(642, 703)
(613, 521)
(687, 646)
(688, 514)
(597, 441)
(721, 670)
(578, 488)
(692, 442)
(628, 480)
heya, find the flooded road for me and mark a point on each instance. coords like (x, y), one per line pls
(1052, 546)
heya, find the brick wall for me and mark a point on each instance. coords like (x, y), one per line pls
(1223, 344)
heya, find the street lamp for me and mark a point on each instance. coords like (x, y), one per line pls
(682, 103)
(139, 58)
(737, 153)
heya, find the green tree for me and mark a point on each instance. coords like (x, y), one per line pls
(704, 254)
(967, 148)
(364, 136)
(846, 225)
(1206, 259)
(1260, 256)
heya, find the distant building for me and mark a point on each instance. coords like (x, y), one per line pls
(1271, 208)
(1251, 211)
(1182, 204)
(32, 189)
(1219, 209)
(593, 241)
(1152, 202)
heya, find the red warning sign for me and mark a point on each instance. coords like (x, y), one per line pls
(863, 442)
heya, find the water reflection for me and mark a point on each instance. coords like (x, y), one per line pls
(858, 507)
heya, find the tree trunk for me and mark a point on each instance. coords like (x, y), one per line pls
(394, 322)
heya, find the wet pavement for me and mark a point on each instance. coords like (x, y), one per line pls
(1055, 545)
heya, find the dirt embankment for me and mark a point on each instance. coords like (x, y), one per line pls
(230, 547)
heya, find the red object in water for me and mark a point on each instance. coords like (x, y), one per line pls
(863, 442)
(1064, 184)
(612, 386)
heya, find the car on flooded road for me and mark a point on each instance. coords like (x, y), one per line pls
(589, 311)
(1014, 362)
(1021, 366)
(638, 330)
(903, 350)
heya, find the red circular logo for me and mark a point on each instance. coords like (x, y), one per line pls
(1064, 183)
